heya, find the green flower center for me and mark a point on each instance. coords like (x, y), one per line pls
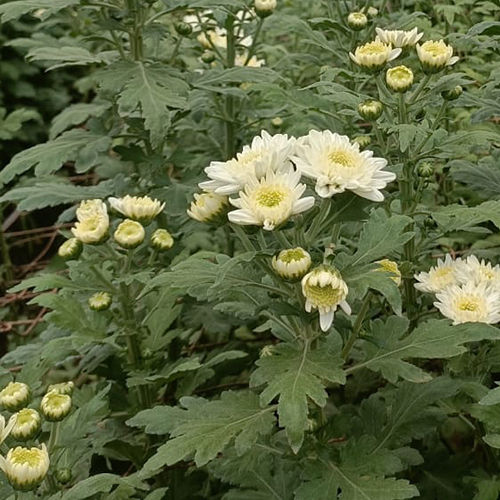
(12, 389)
(55, 401)
(25, 416)
(435, 49)
(292, 255)
(324, 296)
(270, 197)
(25, 456)
(401, 73)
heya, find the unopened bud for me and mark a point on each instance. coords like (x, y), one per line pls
(452, 94)
(70, 249)
(183, 29)
(370, 109)
(357, 21)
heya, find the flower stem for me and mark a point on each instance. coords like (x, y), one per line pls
(54, 436)
(357, 326)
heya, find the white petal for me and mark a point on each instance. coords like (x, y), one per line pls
(326, 320)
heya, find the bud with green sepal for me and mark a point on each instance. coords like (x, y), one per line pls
(292, 263)
(64, 475)
(370, 109)
(55, 407)
(162, 240)
(206, 207)
(357, 21)
(15, 396)
(183, 29)
(26, 424)
(362, 140)
(425, 169)
(264, 8)
(208, 57)
(70, 249)
(399, 78)
(100, 301)
(129, 234)
(452, 94)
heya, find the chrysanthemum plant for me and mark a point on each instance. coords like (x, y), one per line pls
(280, 283)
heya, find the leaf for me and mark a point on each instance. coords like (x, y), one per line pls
(13, 122)
(459, 217)
(492, 440)
(484, 178)
(14, 10)
(492, 398)
(216, 79)
(485, 28)
(487, 489)
(207, 427)
(296, 375)
(158, 420)
(75, 115)
(67, 56)
(99, 483)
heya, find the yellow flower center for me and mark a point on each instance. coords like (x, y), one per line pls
(343, 158)
(443, 272)
(12, 389)
(373, 48)
(270, 197)
(25, 416)
(400, 73)
(55, 401)
(468, 304)
(26, 456)
(435, 49)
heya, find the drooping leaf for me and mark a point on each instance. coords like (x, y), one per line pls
(14, 10)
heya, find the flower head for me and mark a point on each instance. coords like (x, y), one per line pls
(62, 388)
(14, 396)
(439, 277)
(91, 208)
(474, 303)
(139, 208)
(338, 165)
(92, 230)
(434, 56)
(399, 78)
(374, 55)
(266, 152)
(370, 109)
(325, 290)
(391, 267)
(25, 468)
(292, 263)
(271, 200)
(264, 8)
(475, 271)
(25, 424)
(70, 249)
(162, 240)
(399, 38)
(55, 406)
(129, 234)
(357, 20)
(207, 206)
(100, 301)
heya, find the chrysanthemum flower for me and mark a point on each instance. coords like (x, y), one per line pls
(70, 249)
(218, 37)
(25, 424)
(15, 395)
(357, 20)
(338, 165)
(25, 468)
(374, 55)
(473, 270)
(399, 38)
(253, 62)
(100, 301)
(55, 406)
(140, 208)
(129, 234)
(62, 387)
(471, 302)
(194, 21)
(271, 200)
(264, 8)
(399, 78)
(439, 277)
(325, 290)
(266, 152)
(92, 230)
(162, 240)
(292, 263)
(207, 206)
(434, 56)
(91, 208)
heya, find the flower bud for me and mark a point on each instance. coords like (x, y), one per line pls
(325, 290)
(399, 78)
(64, 475)
(208, 57)
(129, 234)
(362, 140)
(434, 56)
(452, 94)
(162, 240)
(100, 301)
(54, 406)
(70, 249)
(207, 206)
(139, 208)
(292, 263)
(15, 396)
(62, 388)
(391, 267)
(183, 29)
(357, 21)
(25, 424)
(25, 468)
(277, 122)
(370, 109)
(426, 169)
(264, 8)
(372, 12)
(373, 56)
(267, 351)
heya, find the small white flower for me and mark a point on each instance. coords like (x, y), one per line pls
(434, 56)
(266, 152)
(55, 406)
(92, 229)
(399, 78)
(473, 270)
(140, 208)
(439, 277)
(25, 468)
(399, 38)
(325, 290)
(338, 165)
(162, 240)
(270, 201)
(129, 234)
(25, 424)
(70, 249)
(207, 206)
(292, 263)
(475, 303)
(374, 55)
(99, 301)
(14, 396)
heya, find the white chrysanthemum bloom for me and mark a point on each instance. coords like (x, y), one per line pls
(91, 208)
(325, 290)
(92, 230)
(475, 271)
(399, 78)
(471, 302)
(357, 20)
(338, 165)
(5, 430)
(162, 240)
(391, 267)
(25, 468)
(265, 7)
(434, 56)
(266, 152)
(207, 206)
(399, 38)
(253, 62)
(374, 55)
(14, 396)
(62, 387)
(140, 208)
(292, 263)
(270, 201)
(129, 233)
(440, 276)
(99, 301)
(25, 424)
(70, 249)
(55, 406)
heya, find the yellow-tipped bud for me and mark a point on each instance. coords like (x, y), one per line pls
(15, 396)
(25, 424)
(129, 234)
(54, 406)
(100, 301)
(399, 78)
(162, 240)
(292, 263)
(70, 249)
(357, 21)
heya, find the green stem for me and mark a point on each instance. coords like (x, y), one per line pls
(54, 436)
(251, 51)
(357, 326)
(324, 209)
(282, 239)
(244, 239)
(176, 49)
(419, 89)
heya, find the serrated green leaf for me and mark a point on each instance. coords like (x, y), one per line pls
(460, 217)
(14, 10)
(75, 115)
(68, 56)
